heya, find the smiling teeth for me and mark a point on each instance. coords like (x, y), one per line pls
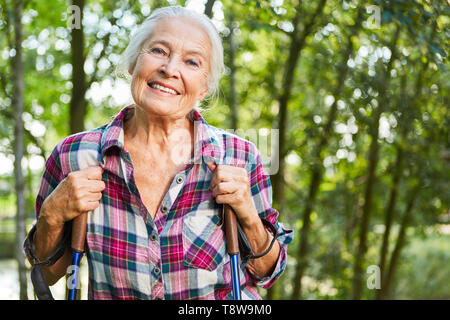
(161, 88)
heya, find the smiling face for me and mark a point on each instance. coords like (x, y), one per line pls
(170, 74)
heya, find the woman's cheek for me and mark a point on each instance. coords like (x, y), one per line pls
(137, 89)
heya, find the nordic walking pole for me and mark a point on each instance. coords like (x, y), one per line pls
(78, 236)
(231, 235)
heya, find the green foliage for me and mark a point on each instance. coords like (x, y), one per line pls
(424, 274)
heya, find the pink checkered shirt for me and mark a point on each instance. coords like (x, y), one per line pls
(180, 254)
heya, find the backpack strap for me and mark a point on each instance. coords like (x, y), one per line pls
(40, 285)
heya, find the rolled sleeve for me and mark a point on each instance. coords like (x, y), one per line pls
(267, 281)
(261, 189)
(51, 177)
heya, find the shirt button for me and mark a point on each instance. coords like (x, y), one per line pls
(180, 180)
(157, 271)
(164, 209)
(153, 237)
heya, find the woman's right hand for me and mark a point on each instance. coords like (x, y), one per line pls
(78, 193)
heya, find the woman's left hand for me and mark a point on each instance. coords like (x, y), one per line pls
(231, 185)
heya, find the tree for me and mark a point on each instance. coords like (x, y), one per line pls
(208, 8)
(316, 175)
(78, 101)
(297, 43)
(405, 124)
(18, 106)
(372, 156)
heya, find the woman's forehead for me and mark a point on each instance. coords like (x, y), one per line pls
(180, 30)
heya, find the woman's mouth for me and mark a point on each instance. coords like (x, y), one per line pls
(159, 89)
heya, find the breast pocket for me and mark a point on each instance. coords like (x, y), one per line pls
(203, 237)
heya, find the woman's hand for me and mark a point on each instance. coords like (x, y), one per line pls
(231, 185)
(79, 192)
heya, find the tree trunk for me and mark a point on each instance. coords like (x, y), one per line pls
(297, 45)
(208, 8)
(17, 102)
(398, 168)
(386, 284)
(78, 102)
(232, 94)
(350, 220)
(390, 211)
(371, 179)
(353, 220)
(316, 175)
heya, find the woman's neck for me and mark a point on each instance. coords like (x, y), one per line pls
(158, 133)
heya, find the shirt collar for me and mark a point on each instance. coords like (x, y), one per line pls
(113, 135)
(206, 141)
(207, 145)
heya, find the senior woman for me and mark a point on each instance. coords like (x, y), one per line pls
(154, 179)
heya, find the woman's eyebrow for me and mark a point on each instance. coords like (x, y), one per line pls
(163, 42)
(167, 44)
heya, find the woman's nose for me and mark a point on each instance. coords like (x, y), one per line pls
(170, 68)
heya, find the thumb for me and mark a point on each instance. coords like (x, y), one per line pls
(211, 165)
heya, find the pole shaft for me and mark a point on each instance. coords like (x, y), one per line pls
(78, 239)
(234, 258)
(75, 277)
(231, 235)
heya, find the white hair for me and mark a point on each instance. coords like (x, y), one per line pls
(143, 32)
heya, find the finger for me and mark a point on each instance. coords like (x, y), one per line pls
(226, 198)
(92, 205)
(225, 188)
(91, 197)
(216, 179)
(85, 204)
(93, 173)
(211, 165)
(95, 196)
(220, 176)
(233, 169)
(95, 185)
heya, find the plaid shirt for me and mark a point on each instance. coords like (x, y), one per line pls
(180, 254)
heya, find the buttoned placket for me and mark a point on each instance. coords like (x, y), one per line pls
(159, 223)
(154, 249)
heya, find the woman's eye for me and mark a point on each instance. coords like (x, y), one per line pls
(157, 50)
(192, 63)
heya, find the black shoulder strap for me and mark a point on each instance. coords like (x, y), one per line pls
(40, 286)
(37, 275)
